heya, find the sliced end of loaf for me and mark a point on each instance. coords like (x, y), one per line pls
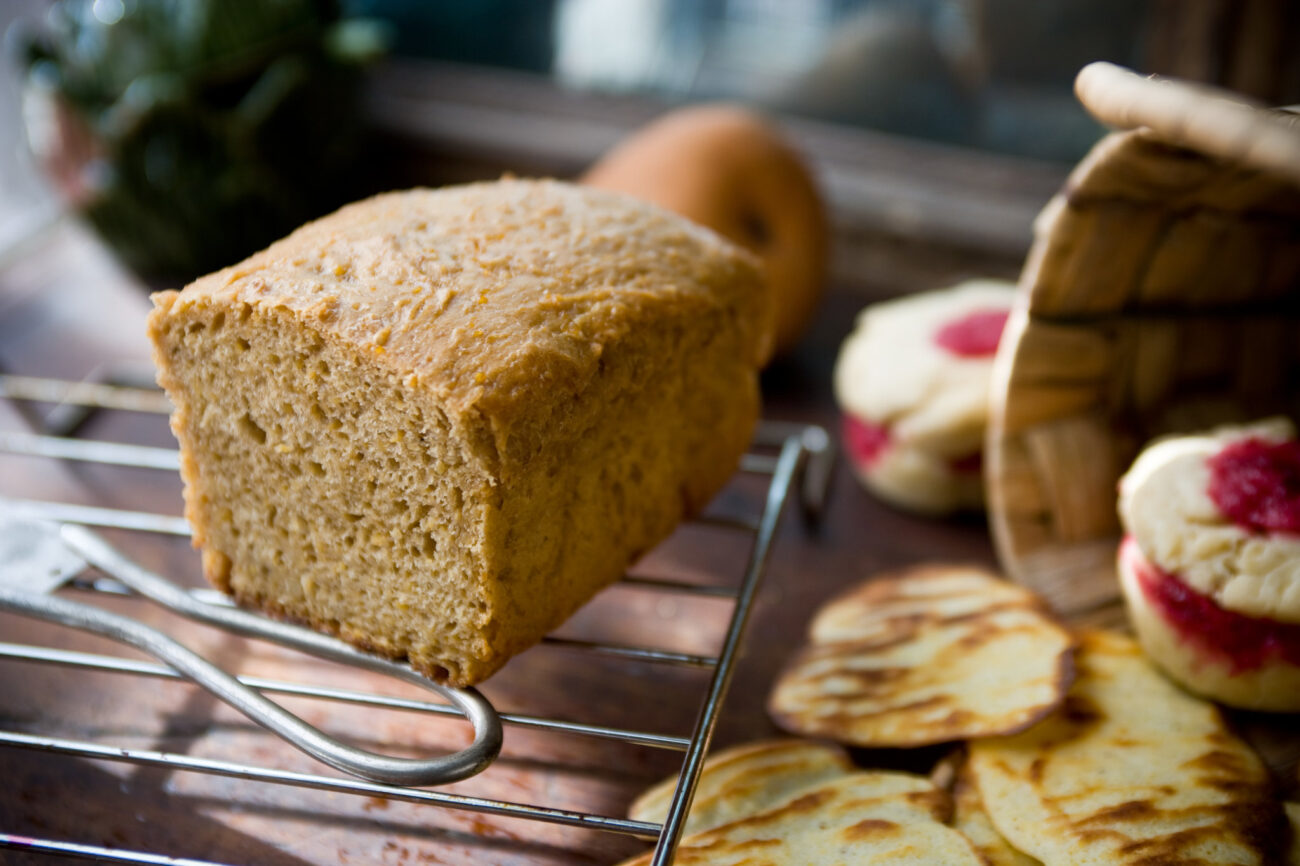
(324, 488)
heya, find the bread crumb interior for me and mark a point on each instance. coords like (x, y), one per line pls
(339, 471)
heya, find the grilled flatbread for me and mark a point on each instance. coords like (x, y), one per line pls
(926, 656)
(746, 779)
(970, 819)
(897, 604)
(1131, 770)
(860, 818)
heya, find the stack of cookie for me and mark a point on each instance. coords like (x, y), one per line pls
(796, 801)
(913, 383)
(1210, 566)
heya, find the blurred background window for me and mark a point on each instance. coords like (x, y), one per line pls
(192, 132)
(988, 74)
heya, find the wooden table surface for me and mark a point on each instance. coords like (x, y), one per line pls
(66, 308)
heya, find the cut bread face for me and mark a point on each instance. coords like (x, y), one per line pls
(930, 655)
(310, 468)
(1131, 770)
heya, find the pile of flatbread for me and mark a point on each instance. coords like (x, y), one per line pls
(928, 655)
(798, 801)
(1130, 770)
(1076, 750)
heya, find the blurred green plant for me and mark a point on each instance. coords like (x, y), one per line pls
(193, 132)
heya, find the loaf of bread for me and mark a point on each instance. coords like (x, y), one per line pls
(435, 423)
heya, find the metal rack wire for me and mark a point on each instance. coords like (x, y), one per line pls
(798, 460)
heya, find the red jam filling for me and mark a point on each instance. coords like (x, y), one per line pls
(1243, 643)
(865, 441)
(1256, 484)
(974, 335)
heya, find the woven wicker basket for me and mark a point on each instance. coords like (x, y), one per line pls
(1162, 294)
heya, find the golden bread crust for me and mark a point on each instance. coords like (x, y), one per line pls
(500, 298)
(437, 421)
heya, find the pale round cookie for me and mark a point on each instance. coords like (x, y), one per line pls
(913, 381)
(1166, 506)
(1273, 685)
(1211, 566)
(913, 478)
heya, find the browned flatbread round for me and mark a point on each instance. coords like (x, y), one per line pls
(971, 820)
(860, 818)
(897, 604)
(745, 779)
(928, 655)
(1132, 770)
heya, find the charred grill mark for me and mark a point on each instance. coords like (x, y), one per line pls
(984, 611)
(1131, 810)
(889, 628)
(809, 802)
(1096, 835)
(978, 635)
(869, 828)
(849, 715)
(1081, 712)
(1227, 768)
(1177, 847)
(864, 678)
(934, 801)
(957, 719)
(888, 639)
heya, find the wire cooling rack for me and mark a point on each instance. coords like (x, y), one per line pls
(795, 460)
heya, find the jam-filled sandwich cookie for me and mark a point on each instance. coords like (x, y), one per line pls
(913, 380)
(1210, 565)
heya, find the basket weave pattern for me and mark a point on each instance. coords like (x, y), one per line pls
(1162, 294)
